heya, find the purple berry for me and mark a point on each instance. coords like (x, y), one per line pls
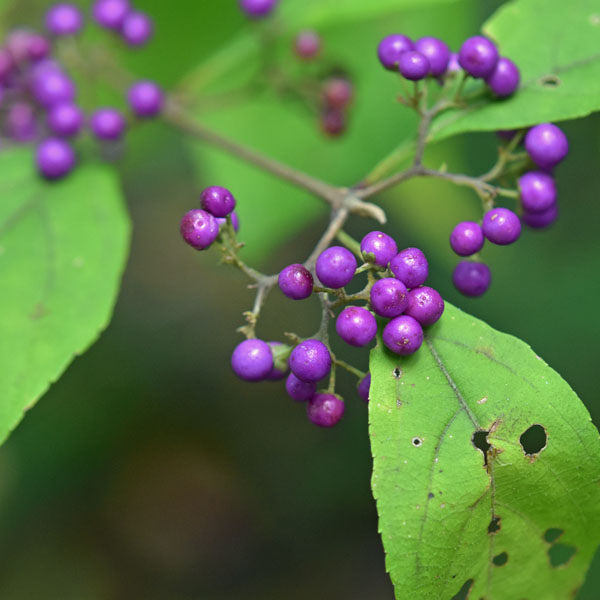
(356, 326)
(411, 267)
(467, 238)
(38, 47)
(501, 226)
(108, 124)
(547, 145)
(52, 87)
(145, 99)
(55, 158)
(507, 134)
(389, 297)
(403, 335)
(335, 267)
(17, 43)
(310, 360)
(472, 278)
(538, 191)
(7, 65)
(380, 245)
(65, 119)
(64, 19)
(391, 48)
(217, 200)
(505, 79)
(299, 390)
(541, 220)
(234, 221)
(307, 44)
(364, 387)
(425, 305)
(111, 13)
(257, 8)
(277, 373)
(413, 65)
(478, 56)
(337, 92)
(453, 64)
(436, 52)
(199, 229)
(325, 410)
(137, 28)
(296, 282)
(252, 360)
(21, 122)
(333, 122)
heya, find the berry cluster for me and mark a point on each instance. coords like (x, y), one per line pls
(38, 97)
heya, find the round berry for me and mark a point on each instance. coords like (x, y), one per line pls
(333, 122)
(307, 44)
(547, 145)
(217, 200)
(137, 28)
(55, 158)
(145, 99)
(538, 191)
(38, 47)
(65, 119)
(51, 87)
(17, 43)
(234, 221)
(108, 124)
(403, 335)
(391, 48)
(111, 13)
(425, 305)
(507, 134)
(389, 297)
(336, 267)
(505, 79)
(325, 410)
(467, 238)
(299, 390)
(501, 226)
(541, 220)
(257, 8)
(7, 65)
(436, 52)
(478, 56)
(364, 386)
(411, 267)
(21, 122)
(310, 360)
(453, 64)
(356, 326)
(279, 371)
(413, 65)
(199, 229)
(380, 245)
(252, 360)
(472, 278)
(337, 92)
(296, 282)
(64, 19)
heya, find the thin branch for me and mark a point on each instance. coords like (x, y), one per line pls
(338, 219)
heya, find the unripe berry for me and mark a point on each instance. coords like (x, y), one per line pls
(538, 191)
(335, 267)
(541, 220)
(505, 79)
(411, 267)
(467, 238)
(137, 28)
(413, 65)
(252, 360)
(391, 48)
(436, 52)
(389, 297)
(280, 369)
(337, 92)
(501, 226)
(217, 200)
(296, 282)
(547, 145)
(108, 124)
(199, 229)
(55, 158)
(299, 390)
(52, 87)
(478, 56)
(325, 410)
(64, 19)
(380, 245)
(472, 278)
(425, 305)
(403, 335)
(111, 13)
(364, 387)
(257, 8)
(356, 326)
(307, 44)
(65, 119)
(310, 360)
(145, 99)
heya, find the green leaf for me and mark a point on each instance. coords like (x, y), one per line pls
(446, 518)
(63, 248)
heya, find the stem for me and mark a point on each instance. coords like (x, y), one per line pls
(338, 219)
(340, 363)
(349, 242)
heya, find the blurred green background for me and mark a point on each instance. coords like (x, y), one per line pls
(148, 471)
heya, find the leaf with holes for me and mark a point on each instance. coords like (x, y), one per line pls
(486, 468)
(62, 251)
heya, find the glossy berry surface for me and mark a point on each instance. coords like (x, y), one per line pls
(335, 267)
(413, 65)
(337, 92)
(217, 200)
(107, 124)
(391, 48)
(111, 13)
(325, 410)
(472, 278)
(364, 387)
(199, 229)
(505, 79)
(137, 28)
(478, 56)
(467, 238)
(356, 326)
(380, 245)
(252, 360)
(425, 305)
(538, 191)
(547, 145)
(389, 297)
(55, 158)
(64, 19)
(307, 44)
(501, 226)
(145, 99)
(403, 335)
(541, 220)
(65, 119)
(51, 87)
(310, 360)
(411, 267)
(296, 282)
(436, 52)
(299, 390)
(257, 8)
